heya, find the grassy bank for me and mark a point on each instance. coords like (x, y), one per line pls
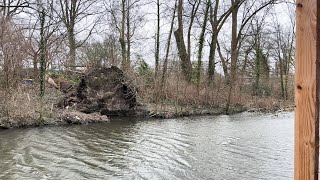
(22, 106)
(180, 98)
(171, 110)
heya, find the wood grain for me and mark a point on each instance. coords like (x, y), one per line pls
(307, 77)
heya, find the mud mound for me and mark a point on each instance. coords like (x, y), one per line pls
(105, 91)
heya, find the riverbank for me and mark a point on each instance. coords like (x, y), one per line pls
(107, 92)
(173, 111)
(23, 107)
(66, 117)
(23, 110)
(61, 118)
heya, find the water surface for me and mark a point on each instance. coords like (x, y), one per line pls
(242, 146)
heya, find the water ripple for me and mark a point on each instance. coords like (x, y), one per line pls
(245, 146)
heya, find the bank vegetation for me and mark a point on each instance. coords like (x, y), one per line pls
(184, 57)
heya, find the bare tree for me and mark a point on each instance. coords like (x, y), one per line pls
(50, 34)
(71, 13)
(130, 19)
(106, 53)
(284, 40)
(42, 48)
(250, 10)
(194, 4)
(165, 63)
(157, 54)
(183, 54)
(216, 26)
(9, 8)
(201, 43)
(12, 46)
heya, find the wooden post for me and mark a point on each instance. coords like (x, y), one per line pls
(306, 155)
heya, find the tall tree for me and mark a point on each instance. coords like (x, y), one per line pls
(165, 63)
(201, 43)
(284, 54)
(216, 25)
(195, 4)
(236, 34)
(42, 48)
(157, 54)
(72, 12)
(183, 54)
(50, 34)
(127, 26)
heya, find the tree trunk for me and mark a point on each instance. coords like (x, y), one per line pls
(72, 49)
(212, 63)
(184, 56)
(35, 65)
(165, 63)
(234, 52)
(71, 18)
(201, 44)
(214, 40)
(157, 54)
(243, 69)
(193, 13)
(257, 70)
(128, 36)
(42, 54)
(224, 65)
(122, 37)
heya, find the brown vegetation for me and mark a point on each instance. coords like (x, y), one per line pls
(180, 98)
(218, 56)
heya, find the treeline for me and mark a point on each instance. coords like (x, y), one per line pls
(199, 52)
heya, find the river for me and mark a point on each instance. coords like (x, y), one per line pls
(242, 146)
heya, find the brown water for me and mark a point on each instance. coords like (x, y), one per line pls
(243, 146)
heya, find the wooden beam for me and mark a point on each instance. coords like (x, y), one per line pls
(306, 155)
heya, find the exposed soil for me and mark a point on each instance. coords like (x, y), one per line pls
(105, 91)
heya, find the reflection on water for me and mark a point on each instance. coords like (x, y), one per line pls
(245, 146)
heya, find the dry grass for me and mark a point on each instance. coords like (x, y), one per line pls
(22, 106)
(181, 96)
